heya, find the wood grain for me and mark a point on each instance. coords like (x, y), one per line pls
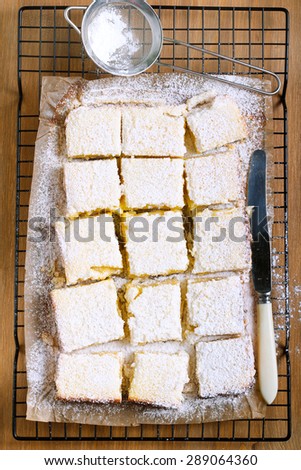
(8, 104)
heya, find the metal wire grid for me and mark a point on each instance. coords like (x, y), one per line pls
(48, 46)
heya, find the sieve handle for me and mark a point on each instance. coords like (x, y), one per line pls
(230, 59)
(67, 18)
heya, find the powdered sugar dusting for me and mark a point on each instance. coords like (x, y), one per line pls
(43, 271)
(118, 51)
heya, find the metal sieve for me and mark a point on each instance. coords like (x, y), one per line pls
(142, 25)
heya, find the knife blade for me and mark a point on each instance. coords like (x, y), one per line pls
(261, 274)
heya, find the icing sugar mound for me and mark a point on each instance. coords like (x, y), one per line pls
(111, 39)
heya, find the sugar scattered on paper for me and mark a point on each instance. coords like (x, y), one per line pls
(47, 192)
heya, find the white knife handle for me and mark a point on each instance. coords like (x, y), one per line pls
(267, 361)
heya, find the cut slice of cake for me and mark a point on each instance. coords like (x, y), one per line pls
(93, 377)
(224, 367)
(91, 186)
(221, 241)
(154, 312)
(213, 179)
(155, 243)
(216, 124)
(152, 183)
(159, 378)
(87, 315)
(215, 306)
(89, 248)
(93, 132)
(153, 131)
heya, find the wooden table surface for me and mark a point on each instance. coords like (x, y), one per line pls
(8, 103)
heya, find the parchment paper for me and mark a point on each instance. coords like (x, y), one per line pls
(43, 271)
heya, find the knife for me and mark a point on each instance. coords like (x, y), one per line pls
(261, 273)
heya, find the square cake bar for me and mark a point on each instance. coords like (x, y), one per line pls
(93, 132)
(87, 315)
(152, 183)
(216, 124)
(221, 241)
(213, 179)
(225, 366)
(154, 312)
(215, 306)
(91, 186)
(89, 248)
(159, 378)
(89, 377)
(155, 243)
(153, 131)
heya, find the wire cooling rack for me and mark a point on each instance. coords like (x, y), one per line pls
(48, 46)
